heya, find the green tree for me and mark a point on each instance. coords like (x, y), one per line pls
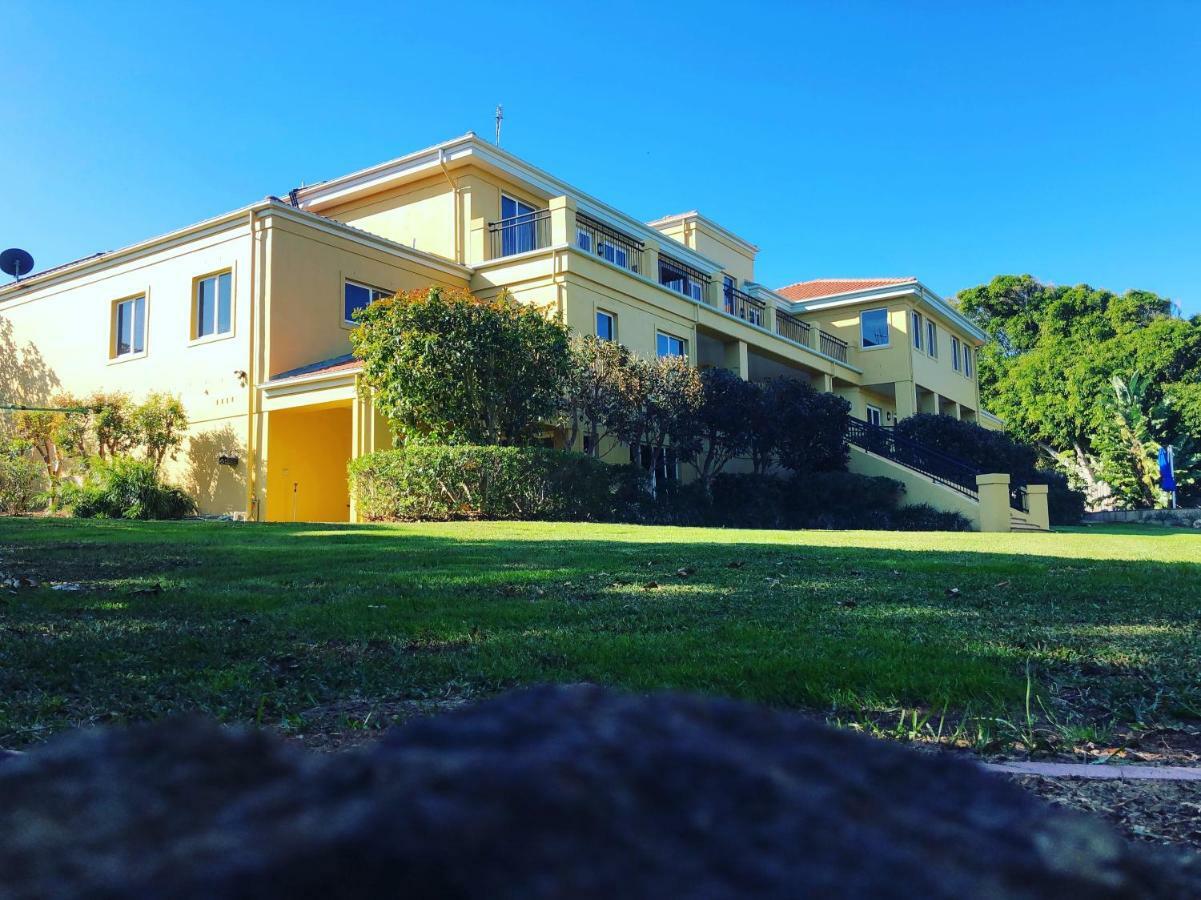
(1049, 367)
(157, 425)
(592, 392)
(660, 408)
(447, 367)
(726, 420)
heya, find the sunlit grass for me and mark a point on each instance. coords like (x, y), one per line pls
(886, 630)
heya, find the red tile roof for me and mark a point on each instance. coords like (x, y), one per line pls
(343, 363)
(828, 287)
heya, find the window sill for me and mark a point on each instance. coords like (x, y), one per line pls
(211, 338)
(126, 357)
(876, 347)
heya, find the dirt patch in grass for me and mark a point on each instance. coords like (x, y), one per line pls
(1167, 813)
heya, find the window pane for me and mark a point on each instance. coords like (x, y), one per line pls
(355, 297)
(917, 331)
(224, 303)
(932, 339)
(873, 326)
(204, 307)
(123, 328)
(508, 207)
(583, 240)
(604, 326)
(139, 325)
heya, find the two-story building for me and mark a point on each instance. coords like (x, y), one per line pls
(246, 317)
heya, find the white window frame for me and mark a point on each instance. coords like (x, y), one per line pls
(878, 415)
(954, 353)
(670, 337)
(968, 362)
(932, 339)
(198, 336)
(115, 353)
(612, 317)
(373, 293)
(887, 330)
(917, 324)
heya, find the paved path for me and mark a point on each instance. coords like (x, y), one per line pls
(1086, 770)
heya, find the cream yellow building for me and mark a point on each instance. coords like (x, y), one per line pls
(246, 317)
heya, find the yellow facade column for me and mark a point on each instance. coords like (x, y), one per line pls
(650, 261)
(769, 314)
(824, 383)
(562, 221)
(905, 399)
(1037, 512)
(737, 359)
(993, 489)
(853, 396)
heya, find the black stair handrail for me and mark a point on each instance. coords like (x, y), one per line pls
(940, 467)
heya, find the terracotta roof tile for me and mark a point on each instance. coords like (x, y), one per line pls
(344, 363)
(828, 287)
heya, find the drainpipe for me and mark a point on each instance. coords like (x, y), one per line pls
(457, 204)
(252, 510)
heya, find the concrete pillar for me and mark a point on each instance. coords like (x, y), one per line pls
(769, 314)
(955, 411)
(906, 399)
(994, 502)
(737, 359)
(853, 396)
(650, 261)
(562, 221)
(824, 382)
(716, 293)
(1036, 499)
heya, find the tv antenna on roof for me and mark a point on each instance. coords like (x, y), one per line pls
(16, 262)
(500, 114)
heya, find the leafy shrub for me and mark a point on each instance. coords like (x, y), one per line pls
(429, 482)
(924, 517)
(22, 481)
(831, 500)
(125, 488)
(995, 451)
(670, 503)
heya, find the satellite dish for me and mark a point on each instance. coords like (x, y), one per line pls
(16, 262)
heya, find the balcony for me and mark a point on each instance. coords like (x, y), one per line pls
(832, 346)
(519, 234)
(744, 306)
(792, 328)
(800, 332)
(682, 278)
(609, 244)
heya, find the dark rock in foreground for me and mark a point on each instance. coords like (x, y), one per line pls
(568, 792)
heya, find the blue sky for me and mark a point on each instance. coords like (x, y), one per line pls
(949, 141)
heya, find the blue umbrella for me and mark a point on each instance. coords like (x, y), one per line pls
(1167, 476)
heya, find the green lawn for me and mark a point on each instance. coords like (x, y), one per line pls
(897, 632)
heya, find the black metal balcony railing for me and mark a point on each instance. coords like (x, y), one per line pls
(790, 327)
(832, 346)
(519, 234)
(609, 244)
(744, 306)
(682, 277)
(1017, 498)
(934, 464)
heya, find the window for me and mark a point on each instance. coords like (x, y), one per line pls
(668, 468)
(129, 327)
(213, 305)
(968, 353)
(357, 296)
(932, 339)
(517, 226)
(670, 345)
(606, 326)
(875, 416)
(727, 291)
(917, 331)
(955, 353)
(873, 328)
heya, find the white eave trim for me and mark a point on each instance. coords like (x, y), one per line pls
(300, 383)
(889, 292)
(430, 160)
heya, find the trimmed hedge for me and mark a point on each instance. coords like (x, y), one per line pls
(125, 488)
(439, 483)
(442, 483)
